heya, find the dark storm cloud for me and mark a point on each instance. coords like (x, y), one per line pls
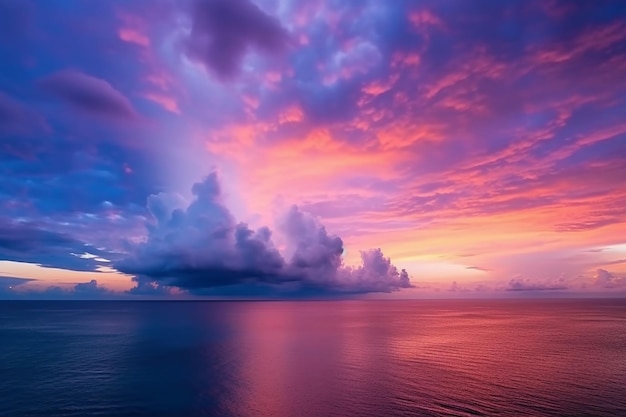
(146, 286)
(90, 94)
(29, 243)
(202, 247)
(223, 31)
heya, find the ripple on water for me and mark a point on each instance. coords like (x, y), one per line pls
(365, 358)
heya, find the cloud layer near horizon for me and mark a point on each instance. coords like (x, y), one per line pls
(202, 247)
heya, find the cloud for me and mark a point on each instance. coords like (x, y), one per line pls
(146, 286)
(89, 288)
(162, 205)
(376, 274)
(605, 279)
(202, 247)
(7, 283)
(83, 290)
(615, 262)
(89, 94)
(223, 31)
(26, 242)
(317, 255)
(526, 284)
(8, 287)
(478, 268)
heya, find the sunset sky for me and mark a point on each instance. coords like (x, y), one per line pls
(255, 148)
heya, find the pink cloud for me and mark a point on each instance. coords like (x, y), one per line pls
(134, 36)
(167, 102)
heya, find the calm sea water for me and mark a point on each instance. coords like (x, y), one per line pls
(347, 358)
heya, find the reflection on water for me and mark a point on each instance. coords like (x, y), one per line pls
(362, 358)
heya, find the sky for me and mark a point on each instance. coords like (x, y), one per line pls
(283, 148)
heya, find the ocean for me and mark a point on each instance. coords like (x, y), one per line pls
(313, 358)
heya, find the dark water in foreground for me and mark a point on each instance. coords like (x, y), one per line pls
(352, 358)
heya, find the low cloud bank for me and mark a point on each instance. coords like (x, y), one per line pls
(202, 247)
(525, 284)
(15, 289)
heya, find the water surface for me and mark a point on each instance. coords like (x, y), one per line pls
(338, 358)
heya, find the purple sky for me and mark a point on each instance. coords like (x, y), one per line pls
(312, 148)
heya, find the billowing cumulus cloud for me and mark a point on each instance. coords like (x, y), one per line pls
(317, 255)
(605, 279)
(90, 94)
(202, 247)
(223, 31)
(376, 274)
